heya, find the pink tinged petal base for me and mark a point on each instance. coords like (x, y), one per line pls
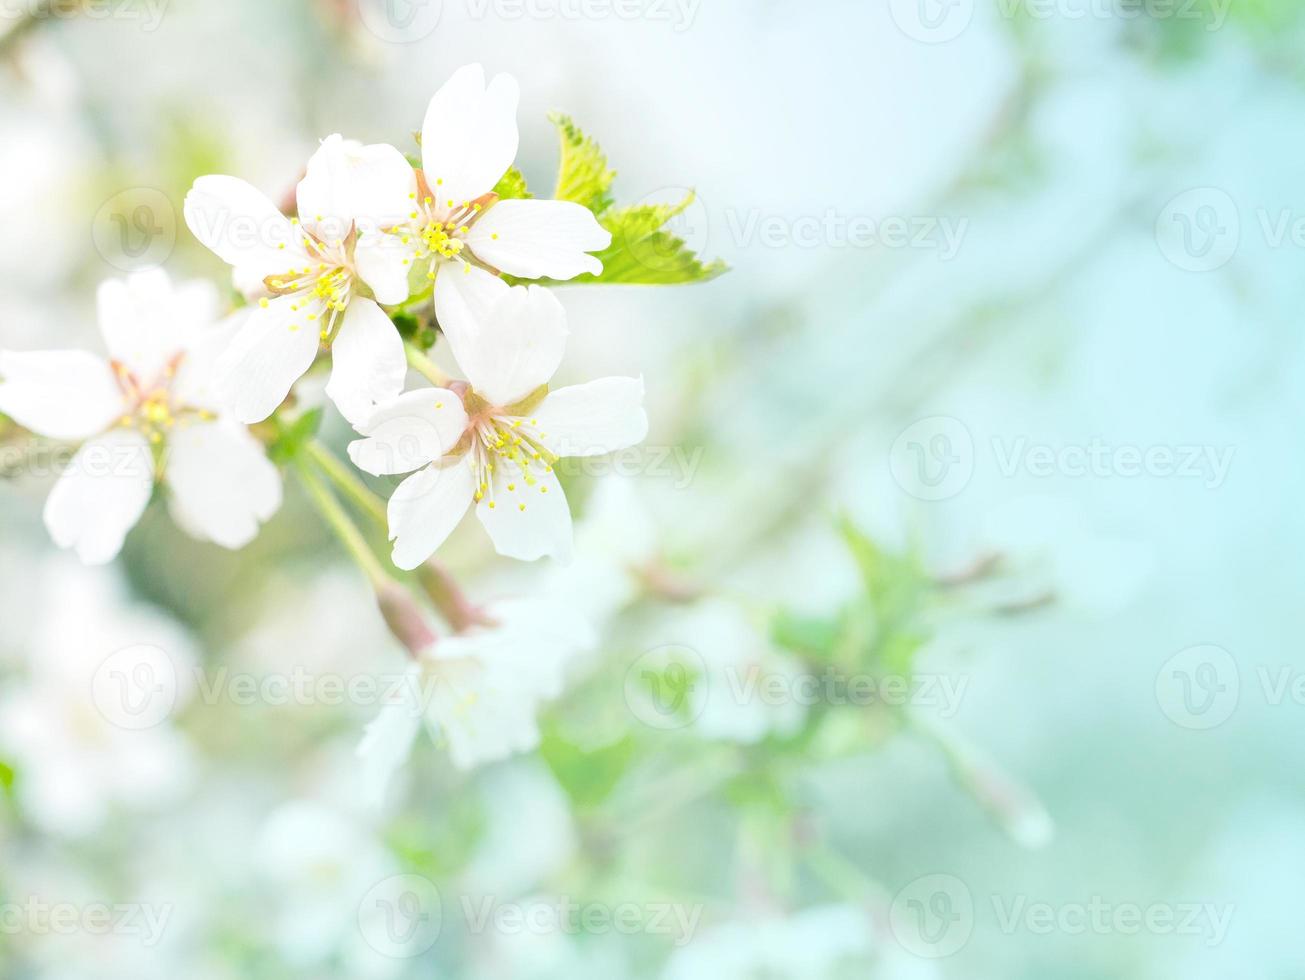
(60, 394)
(272, 351)
(415, 429)
(223, 487)
(369, 365)
(469, 137)
(595, 418)
(427, 507)
(538, 239)
(101, 496)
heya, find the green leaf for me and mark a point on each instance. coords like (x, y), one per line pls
(512, 186)
(588, 777)
(645, 253)
(583, 176)
(293, 437)
(809, 636)
(896, 587)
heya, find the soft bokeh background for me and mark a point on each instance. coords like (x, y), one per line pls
(1123, 187)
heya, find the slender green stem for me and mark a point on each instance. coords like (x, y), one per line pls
(348, 482)
(342, 524)
(424, 366)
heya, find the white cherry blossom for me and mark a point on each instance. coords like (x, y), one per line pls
(456, 231)
(315, 287)
(479, 693)
(493, 440)
(148, 413)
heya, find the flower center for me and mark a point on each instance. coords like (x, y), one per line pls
(321, 291)
(507, 440)
(437, 228)
(151, 408)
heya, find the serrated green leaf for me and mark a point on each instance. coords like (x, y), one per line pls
(583, 175)
(512, 186)
(644, 253)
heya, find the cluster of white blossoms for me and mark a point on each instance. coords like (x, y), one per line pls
(190, 402)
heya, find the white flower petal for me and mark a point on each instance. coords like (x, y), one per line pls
(325, 194)
(518, 348)
(242, 227)
(59, 394)
(347, 183)
(147, 321)
(369, 365)
(591, 419)
(384, 263)
(101, 495)
(416, 428)
(537, 239)
(469, 137)
(223, 486)
(267, 356)
(387, 740)
(197, 373)
(464, 297)
(426, 508)
(529, 521)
